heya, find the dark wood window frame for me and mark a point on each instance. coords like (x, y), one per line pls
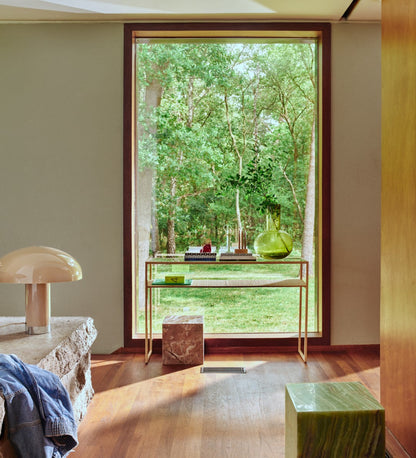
(228, 344)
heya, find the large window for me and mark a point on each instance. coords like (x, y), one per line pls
(218, 122)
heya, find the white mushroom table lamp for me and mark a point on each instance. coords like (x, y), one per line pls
(37, 267)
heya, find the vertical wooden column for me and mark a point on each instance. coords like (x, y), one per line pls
(398, 221)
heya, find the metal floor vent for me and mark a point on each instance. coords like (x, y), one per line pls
(388, 455)
(226, 370)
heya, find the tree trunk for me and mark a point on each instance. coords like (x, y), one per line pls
(309, 220)
(144, 195)
(237, 210)
(155, 223)
(237, 196)
(171, 244)
(240, 162)
(295, 198)
(255, 120)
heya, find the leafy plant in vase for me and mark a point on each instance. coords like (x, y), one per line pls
(273, 243)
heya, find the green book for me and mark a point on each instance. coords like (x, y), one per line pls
(161, 281)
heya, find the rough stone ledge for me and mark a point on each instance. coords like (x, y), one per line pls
(65, 351)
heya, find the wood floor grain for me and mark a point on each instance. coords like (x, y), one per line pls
(154, 411)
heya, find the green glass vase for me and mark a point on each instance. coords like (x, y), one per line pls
(273, 243)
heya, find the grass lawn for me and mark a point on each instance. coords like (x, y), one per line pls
(232, 310)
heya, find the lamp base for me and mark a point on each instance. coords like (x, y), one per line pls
(38, 308)
(38, 329)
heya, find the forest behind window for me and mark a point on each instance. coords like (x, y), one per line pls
(222, 128)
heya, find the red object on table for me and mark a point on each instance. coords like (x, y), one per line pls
(206, 248)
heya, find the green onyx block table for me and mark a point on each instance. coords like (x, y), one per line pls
(333, 420)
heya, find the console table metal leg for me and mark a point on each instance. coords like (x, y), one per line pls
(148, 312)
(305, 337)
(150, 322)
(303, 354)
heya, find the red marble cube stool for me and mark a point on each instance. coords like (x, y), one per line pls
(183, 339)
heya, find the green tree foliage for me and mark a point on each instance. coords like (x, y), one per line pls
(233, 128)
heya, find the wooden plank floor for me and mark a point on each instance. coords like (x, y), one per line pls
(157, 411)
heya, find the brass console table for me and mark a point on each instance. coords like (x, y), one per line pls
(301, 281)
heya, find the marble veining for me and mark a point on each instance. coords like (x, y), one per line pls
(340, 419)
(336, 396)
(183, 339)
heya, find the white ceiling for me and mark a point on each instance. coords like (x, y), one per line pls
(131, 10)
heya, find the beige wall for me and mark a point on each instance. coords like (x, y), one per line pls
(356, 183)
(61, 169)
(61, 162)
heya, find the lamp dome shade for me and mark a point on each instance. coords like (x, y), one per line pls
(39, 264)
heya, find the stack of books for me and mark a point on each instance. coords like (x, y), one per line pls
(189, 256)
(237, 257)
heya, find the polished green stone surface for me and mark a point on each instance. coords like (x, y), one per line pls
(333, 420)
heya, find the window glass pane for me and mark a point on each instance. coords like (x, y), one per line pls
(224, 128)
